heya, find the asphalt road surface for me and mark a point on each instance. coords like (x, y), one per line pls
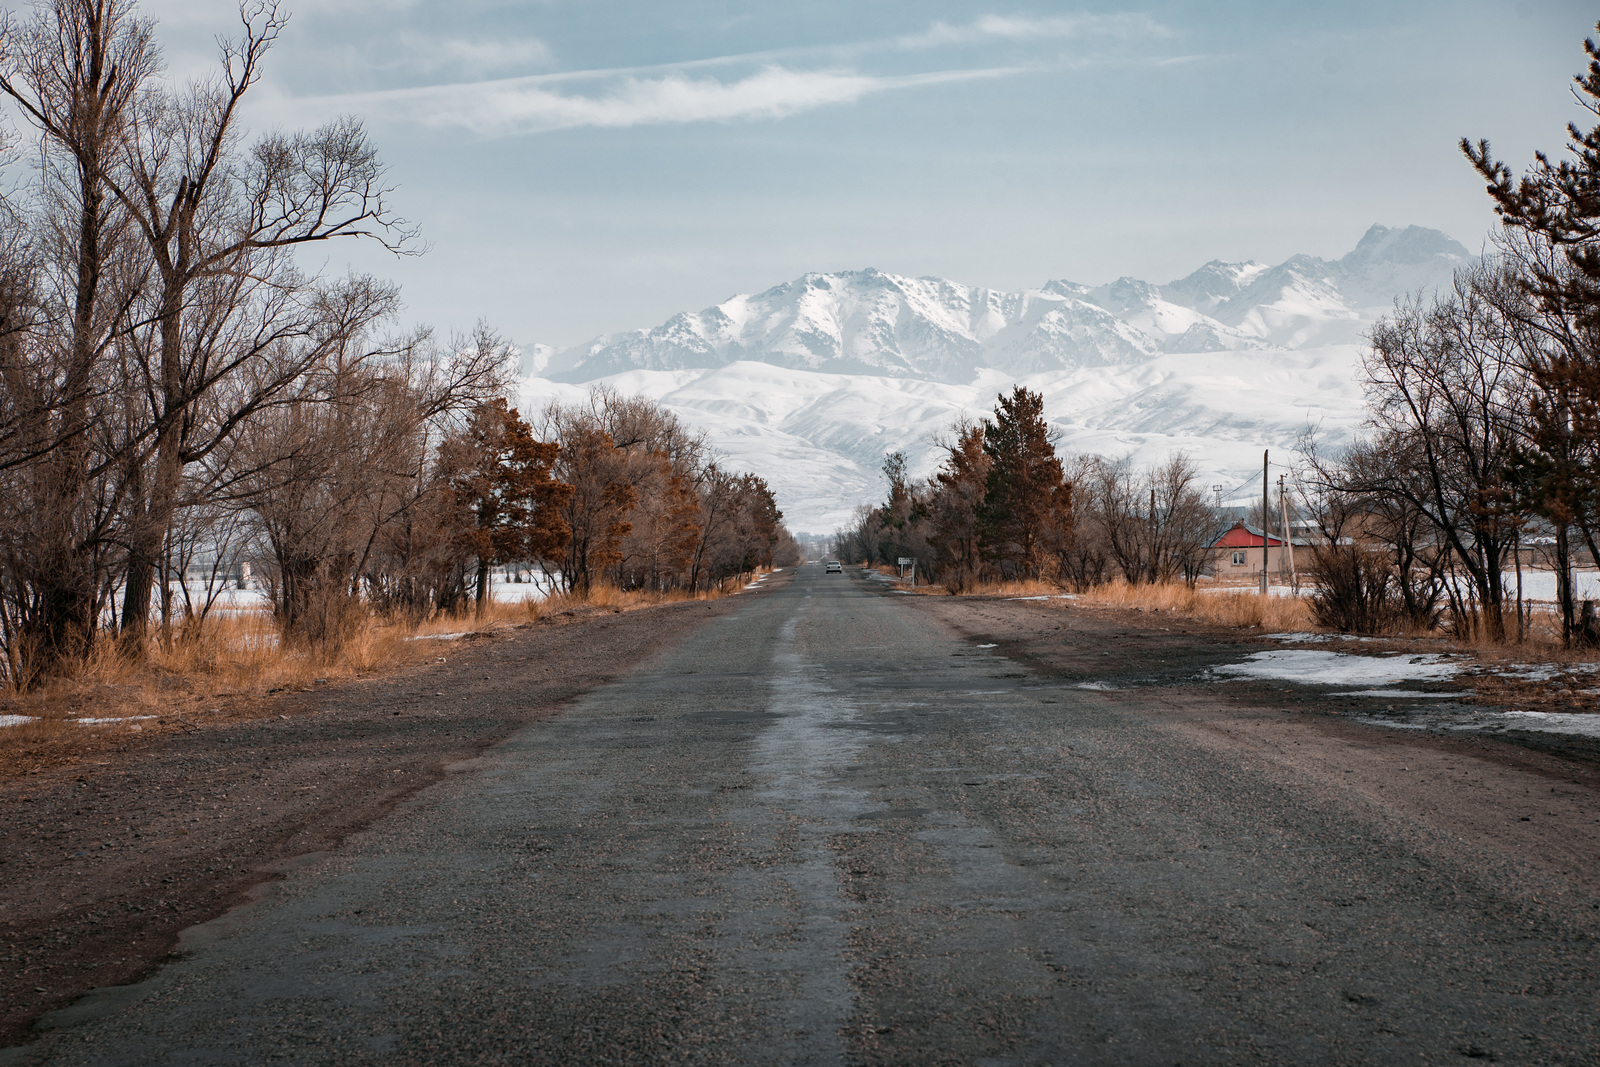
(824, 830)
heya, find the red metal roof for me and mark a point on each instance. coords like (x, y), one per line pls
(1242, 536)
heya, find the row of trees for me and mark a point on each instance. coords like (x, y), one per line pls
(649, 508)
(1004, 506)
(611, 491)
(165, 363)
(178, 392)
(1484, 419)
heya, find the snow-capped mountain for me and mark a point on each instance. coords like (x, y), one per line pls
(869, 322)
(811, 382)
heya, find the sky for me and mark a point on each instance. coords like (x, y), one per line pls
(578, 167)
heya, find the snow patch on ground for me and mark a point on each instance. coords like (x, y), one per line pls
(1251, 590)
(1314, 667)
(1543, 672)
(1553, 722)
(1402, 694)
(15, 720)
(102, 722)
(1457, 718)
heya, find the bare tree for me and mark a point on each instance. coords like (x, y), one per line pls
(1156, 523)
(332, 466)
(1556, 472)
(74, 69)
(216, 224)
(1083, 559)
(1444, 387)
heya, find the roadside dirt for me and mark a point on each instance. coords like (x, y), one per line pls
(1526, 798)
(105, 860)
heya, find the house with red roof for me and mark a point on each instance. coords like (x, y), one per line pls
(1237, 554)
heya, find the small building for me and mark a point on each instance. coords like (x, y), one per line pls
(1236, 554)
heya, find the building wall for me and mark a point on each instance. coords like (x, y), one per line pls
(1224, 567)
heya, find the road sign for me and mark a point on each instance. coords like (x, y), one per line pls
(906, 561)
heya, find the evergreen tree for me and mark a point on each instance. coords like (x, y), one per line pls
(1025, 493)
(958, 492)
(1551, 217)
(1558, 203)
(898, 513)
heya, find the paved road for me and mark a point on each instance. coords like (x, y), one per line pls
(823, 830)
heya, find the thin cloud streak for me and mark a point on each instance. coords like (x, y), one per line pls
(1130, 26)
(527, 105)
(434, 54)
(686, 91)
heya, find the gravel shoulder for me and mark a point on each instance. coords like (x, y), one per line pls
(1522, 798)
(105, 861)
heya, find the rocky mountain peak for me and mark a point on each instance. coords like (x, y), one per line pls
(871, 321)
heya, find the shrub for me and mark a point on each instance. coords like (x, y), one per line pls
(1355, 590)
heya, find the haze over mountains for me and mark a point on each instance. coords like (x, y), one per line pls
(810, 382)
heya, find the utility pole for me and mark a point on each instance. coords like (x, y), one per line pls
(1266, 520)
(1288, 539)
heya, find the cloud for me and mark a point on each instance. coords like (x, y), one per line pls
(772, 84)
(1132, 25)
(431, 54)
(533, 105)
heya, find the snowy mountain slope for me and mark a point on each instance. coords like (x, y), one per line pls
(820, 438)
(870, 322)
(811, 382)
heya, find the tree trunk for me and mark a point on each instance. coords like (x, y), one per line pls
(1564, 599)
(149, 532)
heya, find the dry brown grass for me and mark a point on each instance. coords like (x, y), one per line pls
(219, 671)
(1238, 607)
(609, 598)
(1225, 607)
(210, 671)
(1022, 587)
(1540, 636)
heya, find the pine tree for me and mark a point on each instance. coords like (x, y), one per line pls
(1025, 493)
(1558, 203)
(1551, 217)
(957, 498)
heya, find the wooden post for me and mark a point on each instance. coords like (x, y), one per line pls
(1288, 535)
(1266, 520)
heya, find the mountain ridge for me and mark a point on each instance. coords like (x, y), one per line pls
(810, 382)
(873, 322)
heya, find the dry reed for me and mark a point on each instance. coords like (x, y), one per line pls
(1226, 607)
